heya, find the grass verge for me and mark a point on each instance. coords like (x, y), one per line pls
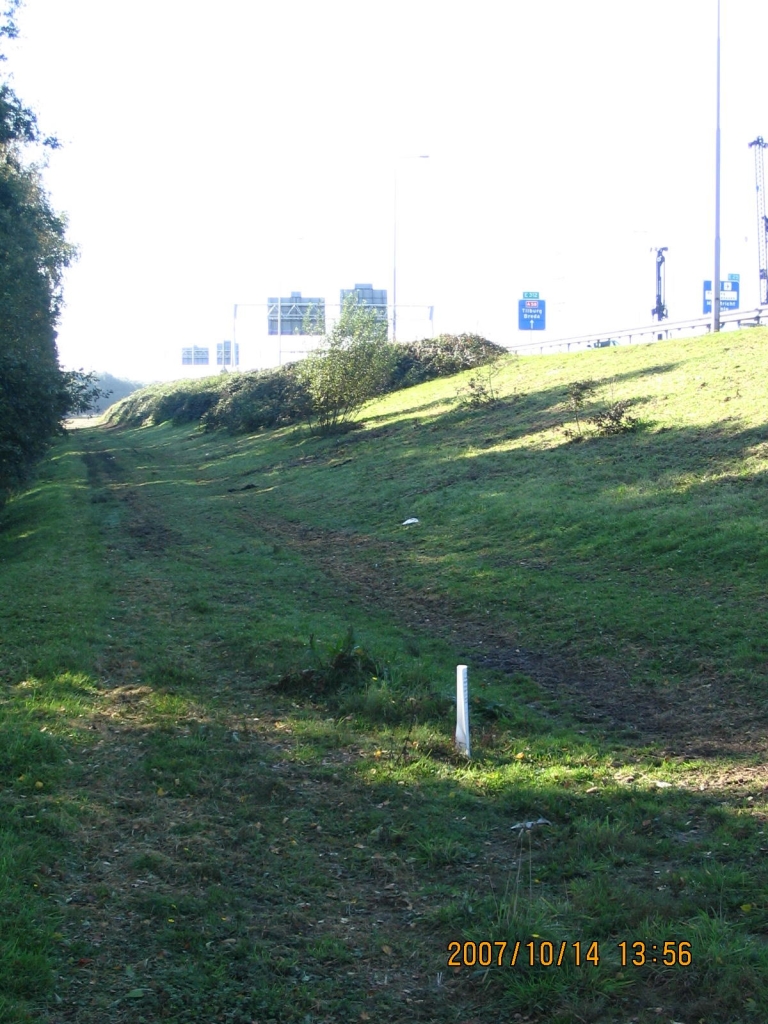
(207, 816)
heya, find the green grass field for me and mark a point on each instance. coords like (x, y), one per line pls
(229, 786)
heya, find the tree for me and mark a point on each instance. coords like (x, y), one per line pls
(84, 391)
(35, 395)
(353, 366)
(112, 390)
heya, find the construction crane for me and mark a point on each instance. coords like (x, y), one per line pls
(660, 309)
(762, 221)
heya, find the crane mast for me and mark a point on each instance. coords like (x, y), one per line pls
(762, 221)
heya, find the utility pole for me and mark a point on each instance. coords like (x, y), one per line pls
(716, 276)
(762, 221)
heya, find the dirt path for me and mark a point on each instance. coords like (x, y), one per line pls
(709, 718)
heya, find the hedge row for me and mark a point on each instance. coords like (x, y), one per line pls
(246, 402)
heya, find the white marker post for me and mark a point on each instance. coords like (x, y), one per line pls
(462, 710)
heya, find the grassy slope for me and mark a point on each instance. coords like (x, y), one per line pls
(199, 844)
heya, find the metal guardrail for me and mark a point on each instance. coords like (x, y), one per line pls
(645, 335)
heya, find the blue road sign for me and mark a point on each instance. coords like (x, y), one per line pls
(729, 294)
(532, 314)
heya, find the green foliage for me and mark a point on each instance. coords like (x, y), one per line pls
(578, 391)
(313, 321)
(34, 396)
(353, 366)
(256, 400)
(188, 406)
(251, 401)
(342, 662)
(184, 401)
(348, 678)
(443, 356)
(113, 390)
(238, 402)
(480, 390)
(614, 419)
(83, 390)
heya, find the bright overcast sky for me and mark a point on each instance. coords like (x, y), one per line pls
(219, 154)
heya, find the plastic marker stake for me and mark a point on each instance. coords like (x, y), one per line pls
(462, 710)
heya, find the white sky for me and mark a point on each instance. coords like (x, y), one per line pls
(218, 154)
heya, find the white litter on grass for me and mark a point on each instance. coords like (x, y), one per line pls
(410, 522)
(663, 785)
(530, 824)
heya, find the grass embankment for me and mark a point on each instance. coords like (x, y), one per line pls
(184, 840)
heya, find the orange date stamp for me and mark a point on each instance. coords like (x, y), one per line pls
(543, 953)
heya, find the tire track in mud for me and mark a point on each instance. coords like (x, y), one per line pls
(706, 718)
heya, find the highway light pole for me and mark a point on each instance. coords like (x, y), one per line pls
(716, 277)
(421, 156)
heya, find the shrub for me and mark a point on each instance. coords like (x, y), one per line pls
(353, 366)
(479, 390)
(349, 680)
(326, 390)
(187, 406)
(343, 662)
(614, 420)
(181, 402)
(577, 393)
(443, 356)
(252, 401)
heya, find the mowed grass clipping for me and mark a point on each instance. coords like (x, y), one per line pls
(229, 786)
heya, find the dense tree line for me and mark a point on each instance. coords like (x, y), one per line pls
(35, 394)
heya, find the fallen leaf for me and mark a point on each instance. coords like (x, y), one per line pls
(387, 950)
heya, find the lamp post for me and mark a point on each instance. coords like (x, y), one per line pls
(421, 156)
(716, 278)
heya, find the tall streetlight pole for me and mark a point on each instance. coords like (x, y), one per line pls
(716, 278)
(421, 156)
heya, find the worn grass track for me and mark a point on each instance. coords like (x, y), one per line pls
(184, 840)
